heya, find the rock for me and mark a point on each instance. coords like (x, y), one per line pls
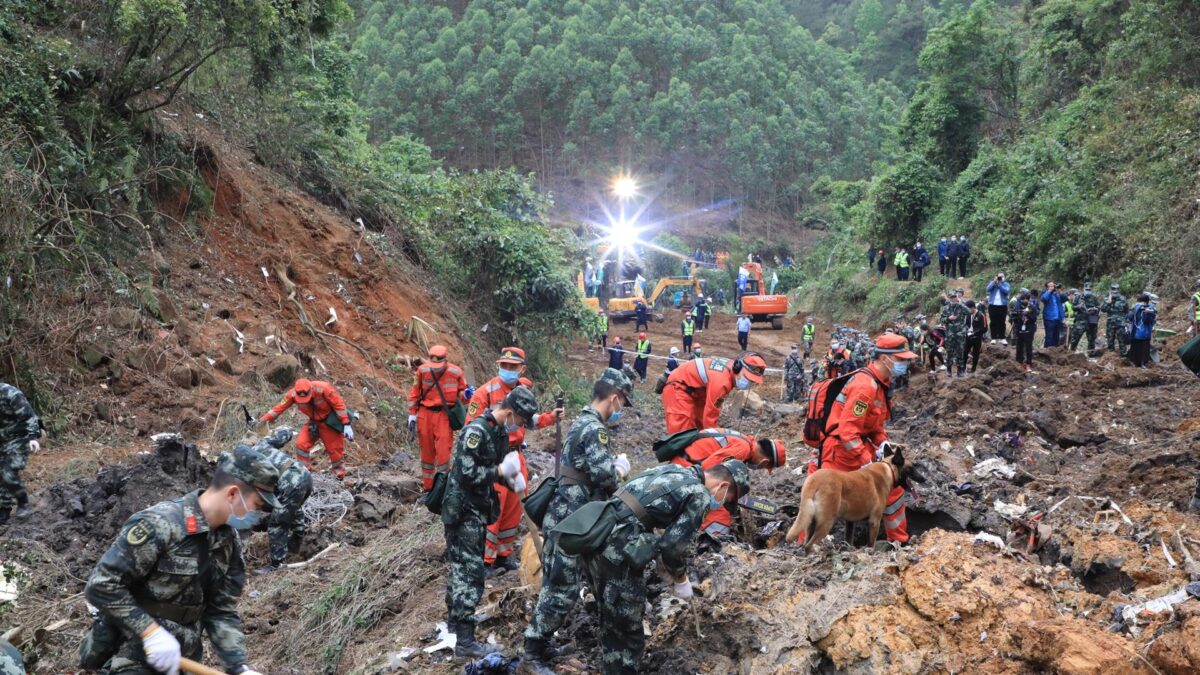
(93, 357)
(145, 359)
(103, 411)
(124, 318)
(983, 397)
(373, 509)
(397, 488)
(183, 377)
(224, 365)
(167, 313)
(280, 370)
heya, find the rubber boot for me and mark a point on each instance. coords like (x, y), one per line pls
(536, 659)
(467, 646)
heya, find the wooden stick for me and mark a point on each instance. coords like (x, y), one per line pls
(298, 565)
(190, 666)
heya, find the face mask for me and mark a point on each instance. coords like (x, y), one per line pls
(245, 521)
(743, 382)
(511, 427)
(714, 503)
(899, 368)
(509, 376)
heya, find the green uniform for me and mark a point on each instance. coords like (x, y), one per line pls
(19, 425)
(294, 487)
(1087, 319)
(167, 566)
(793, 376)
(587, 475)
(955, 317)
(676, 503)
(469, 507)
(1114, 331)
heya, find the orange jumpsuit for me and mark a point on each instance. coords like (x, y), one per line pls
(709, 452)
(324, 400)
(694, 393)
(855, 429)
(502, 535)
(433, 421)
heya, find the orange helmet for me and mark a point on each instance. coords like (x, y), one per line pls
(438, 353)
(302, 390)
(752, 366)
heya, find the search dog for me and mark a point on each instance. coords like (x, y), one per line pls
(851, 495)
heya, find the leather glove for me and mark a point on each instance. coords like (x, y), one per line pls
(519, 484)
(683, 589)
(621, 464)
(348, 433)
(412, 423)
(34, 446)
(468, 393)
(511, 466)
(162, 651)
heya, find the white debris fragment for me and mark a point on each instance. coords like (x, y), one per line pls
(987, 538)
(333, 317)
(445, 639)
(995, 466)
(266, 274)
(1009, 510)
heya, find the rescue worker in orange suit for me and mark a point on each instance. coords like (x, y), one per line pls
(439, 385)
(326, 411)
(855, 434)
(696, 390)
(717, 445)
(501, 535)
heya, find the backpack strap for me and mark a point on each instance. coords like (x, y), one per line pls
(635, 505)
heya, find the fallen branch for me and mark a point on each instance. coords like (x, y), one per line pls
(290, 287)
(298, 565)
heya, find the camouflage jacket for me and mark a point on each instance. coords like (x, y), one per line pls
(955, 317)
(793, 367)
(167, 560)
(1116, 309)
(19, 424)
(676, 503)
(480, 448)
(1086, 305)
(585, 451)
(291, 472)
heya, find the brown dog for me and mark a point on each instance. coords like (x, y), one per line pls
(852, 495)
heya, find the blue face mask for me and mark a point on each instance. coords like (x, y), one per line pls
(899, 368)
(713, 502)
(509, 376)
(743, 382)
(246, 520)
(615, 417)
(511, 427)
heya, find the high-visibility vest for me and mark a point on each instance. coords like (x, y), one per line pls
(1068, 311)
(689, 328)
(643, 348)
(604, 324)
(901, 259)
(1196, 299)
(810, 331)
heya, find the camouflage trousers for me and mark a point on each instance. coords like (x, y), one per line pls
(464, 551)
(1114, 333)
(956, 353)
(560, 591)
(105, 648)
(12, 461)
(288, 522)
(621, 594)
(1082, 328)
(795, 388)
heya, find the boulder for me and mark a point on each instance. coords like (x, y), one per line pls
(373, 509)
(167, 313)
(280, 370)
(183, 377)
(124, 318)
(93, 357)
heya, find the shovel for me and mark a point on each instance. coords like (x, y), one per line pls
(190, 666)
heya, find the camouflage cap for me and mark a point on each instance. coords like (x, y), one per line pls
(522, 401)
(250, 467)
(741, 477)
(1114, 287)
(280, 437)
(619, 380)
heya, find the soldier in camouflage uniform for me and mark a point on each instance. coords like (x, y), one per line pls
(955, 316)
(176, 570)
(588, 472)
(1087, 318)
(1116, 307)
(294, 487)
(11, 661)
(19, 431)
(793, 375)
(471, 504)
(675, 500)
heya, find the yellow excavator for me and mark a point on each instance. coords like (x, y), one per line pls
(591, 303)
(623, 305)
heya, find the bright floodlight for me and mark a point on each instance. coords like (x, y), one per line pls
(624, 187)
(623, 234)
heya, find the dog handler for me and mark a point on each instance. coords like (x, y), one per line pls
(855, 425)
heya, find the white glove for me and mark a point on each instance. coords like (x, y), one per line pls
(412, 422)
(162, 651)
(348, 432)
(683, 589)
(34, 446)
(621, 464)
(511, 465)
(250, 672)
(519, 484)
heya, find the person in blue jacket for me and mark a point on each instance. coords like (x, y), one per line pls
(1052, 314)
(920, 261)
(942, 246)
(1141, 326)
(964, 252)
(997, 297)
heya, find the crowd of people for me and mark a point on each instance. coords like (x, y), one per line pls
(910, 262)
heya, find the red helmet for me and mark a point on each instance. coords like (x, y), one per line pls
(753, 366)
